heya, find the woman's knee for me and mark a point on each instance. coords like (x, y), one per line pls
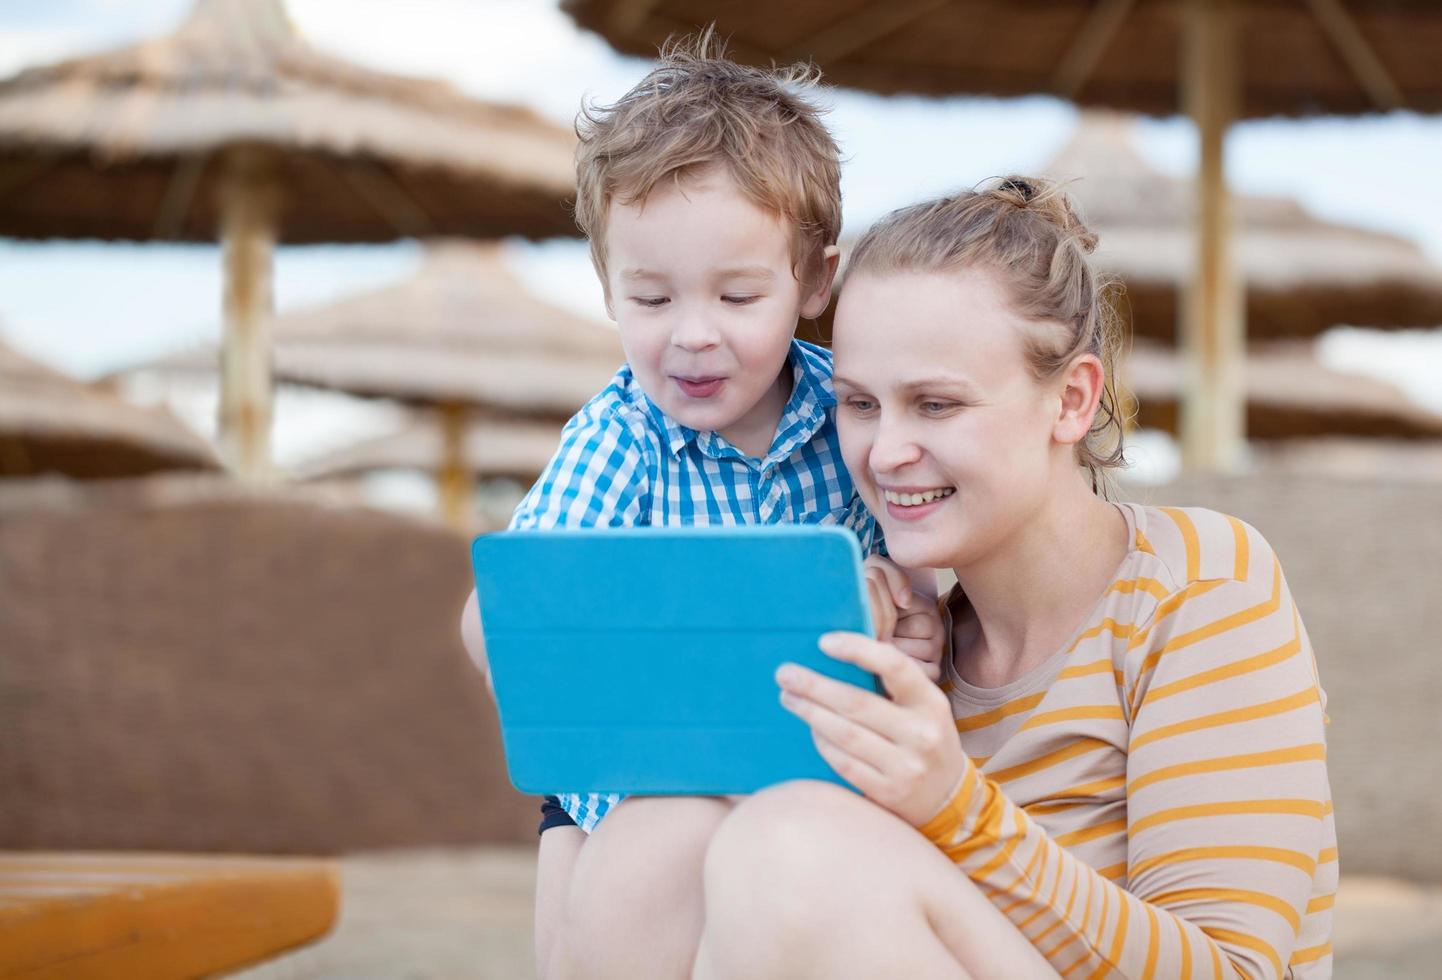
(787, 832)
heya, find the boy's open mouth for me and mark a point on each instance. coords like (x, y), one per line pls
(699, 387)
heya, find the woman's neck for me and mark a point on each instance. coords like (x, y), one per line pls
(1029, 594)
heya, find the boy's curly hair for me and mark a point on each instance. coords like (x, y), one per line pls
(698, 110)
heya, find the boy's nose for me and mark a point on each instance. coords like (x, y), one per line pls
(694, 334)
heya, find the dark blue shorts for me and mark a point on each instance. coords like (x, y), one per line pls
(553, 815)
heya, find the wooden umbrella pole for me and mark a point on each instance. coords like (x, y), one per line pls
(1212, 411)
(456, 483)
(248, 214)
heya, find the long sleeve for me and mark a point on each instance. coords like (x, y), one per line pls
(1227, 813)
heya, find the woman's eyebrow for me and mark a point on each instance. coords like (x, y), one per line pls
(940, 381)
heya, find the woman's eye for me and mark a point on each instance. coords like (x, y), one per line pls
(860, 405)
(935, 408)
(650, 301)
(739, 300)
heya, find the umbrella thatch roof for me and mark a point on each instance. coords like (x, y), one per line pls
(1302, 275)
(490, 450)
(464, 330)
(1298, 58)
(50, 423)
(361, 155)
(1289, 395)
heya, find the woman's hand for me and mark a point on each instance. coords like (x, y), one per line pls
(903, 617)
(903, 753)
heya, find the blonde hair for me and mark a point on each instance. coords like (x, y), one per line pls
(1025, 230)
(698, 110)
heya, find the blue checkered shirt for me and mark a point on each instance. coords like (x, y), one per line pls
(623, 462)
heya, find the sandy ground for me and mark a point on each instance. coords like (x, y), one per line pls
(466, 913)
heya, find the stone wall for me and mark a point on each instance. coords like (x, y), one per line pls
(1364, 561)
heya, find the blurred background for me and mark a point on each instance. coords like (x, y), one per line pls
(291, 305)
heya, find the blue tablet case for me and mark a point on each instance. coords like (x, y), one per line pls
(642, 660)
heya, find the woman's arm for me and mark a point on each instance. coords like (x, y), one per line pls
(1228, 806)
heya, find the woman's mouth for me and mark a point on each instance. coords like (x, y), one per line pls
(699, 387)
(916, 504)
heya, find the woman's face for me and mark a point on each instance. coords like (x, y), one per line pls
(946, 432)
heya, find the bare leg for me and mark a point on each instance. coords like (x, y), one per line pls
(474, 640)
(633, 907)
(808, 879)
(560, 847)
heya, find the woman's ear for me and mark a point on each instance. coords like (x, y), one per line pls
(818, 292)
(1082, 384)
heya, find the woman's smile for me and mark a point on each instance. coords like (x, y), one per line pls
(914, 503)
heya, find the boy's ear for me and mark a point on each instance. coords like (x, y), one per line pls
(818, 292)
(1080, 395)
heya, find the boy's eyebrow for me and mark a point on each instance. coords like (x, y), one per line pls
(731, 272)
(747, 272)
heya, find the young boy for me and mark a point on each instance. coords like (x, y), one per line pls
(710, 194)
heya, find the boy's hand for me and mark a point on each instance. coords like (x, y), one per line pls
(908, 621)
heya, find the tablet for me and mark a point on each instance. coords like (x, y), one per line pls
(642, 660)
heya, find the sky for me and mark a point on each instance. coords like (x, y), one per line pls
(91, 308)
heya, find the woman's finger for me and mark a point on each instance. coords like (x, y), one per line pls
(897, 582)
(865, 708)
(902, 676)
(856, 772)
(855, 740)
(883, 609)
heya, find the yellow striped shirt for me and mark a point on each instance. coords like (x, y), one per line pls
(1153, 800)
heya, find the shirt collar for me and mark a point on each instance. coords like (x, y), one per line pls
(804, 414)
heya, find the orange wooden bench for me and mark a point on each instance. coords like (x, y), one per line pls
(86, 916)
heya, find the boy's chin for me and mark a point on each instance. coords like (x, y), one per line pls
(702, 418)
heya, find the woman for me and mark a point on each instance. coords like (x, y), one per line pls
(1139, 784)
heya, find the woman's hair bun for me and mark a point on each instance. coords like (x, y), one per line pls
(1047, 199)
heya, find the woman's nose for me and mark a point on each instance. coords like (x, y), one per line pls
(892, 448)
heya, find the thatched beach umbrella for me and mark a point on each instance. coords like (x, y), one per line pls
(1217, 60)
(463, 336)
(234, 128)
(1302, 275)
(50, 423)
(1290, 396)
(489, 450)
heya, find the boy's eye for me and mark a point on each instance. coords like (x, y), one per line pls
(651, 301)
(739, 300)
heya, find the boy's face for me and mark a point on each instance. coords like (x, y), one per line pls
(700, 283)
